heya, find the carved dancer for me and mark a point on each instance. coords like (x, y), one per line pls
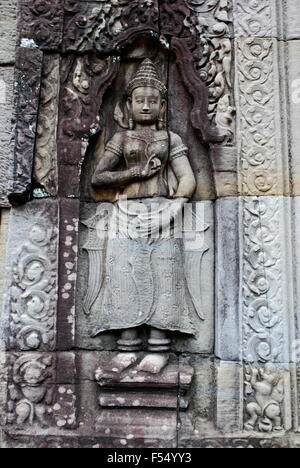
(145, 284)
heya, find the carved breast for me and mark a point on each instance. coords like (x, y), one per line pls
(139, 148)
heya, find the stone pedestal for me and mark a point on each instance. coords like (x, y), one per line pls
(149, 403)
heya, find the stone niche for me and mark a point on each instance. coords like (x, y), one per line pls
(235, 383)
(127, 398)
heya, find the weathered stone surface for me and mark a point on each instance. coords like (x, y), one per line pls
(228, 322)
(292, 49)
(7, 133)
(255, 19)
(45, 161)
(261, 152)
(224, 161)
(67, 108)
(121, 427)
(292, 20)
(295, 338)
(118, 22)
(8, 26)
(28, 70)
(199, 257)
(41, 23)
(68, 253)
(137, 428)
(30, 306)
(267, 398)
(69, 180)
(192, 18)
(134, 388)
(266, 279)
(198, 420)
(28, 81)
(41, 393)
(229, 414)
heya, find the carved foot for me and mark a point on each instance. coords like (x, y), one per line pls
(118, 364)
(153, 363)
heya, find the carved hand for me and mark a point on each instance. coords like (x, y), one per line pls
(152, 167)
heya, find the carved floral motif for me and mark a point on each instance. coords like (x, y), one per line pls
(42, 21)
(85, 80)
(196, 17)
(111, 24)
(260, 163)
(253, 18)
(212, 61)
(262, 284)
(99, 27)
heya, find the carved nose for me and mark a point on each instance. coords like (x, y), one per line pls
(145, 106)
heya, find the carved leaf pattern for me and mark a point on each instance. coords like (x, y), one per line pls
(260, 161)
(33, 291)
(99, 27)
(85, 81)
(45, 167)
(253, 18)
(262, 285)
(42, 21)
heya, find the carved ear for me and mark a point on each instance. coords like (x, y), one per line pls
(163, 105)
(162, 115)
(128, 104)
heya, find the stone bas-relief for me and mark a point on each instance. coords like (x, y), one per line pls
(136, 360)
(144, 281)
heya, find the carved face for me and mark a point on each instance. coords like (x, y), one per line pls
(147, 105)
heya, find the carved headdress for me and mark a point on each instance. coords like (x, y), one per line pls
(146, 75)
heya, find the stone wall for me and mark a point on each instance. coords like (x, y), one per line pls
(231, 69)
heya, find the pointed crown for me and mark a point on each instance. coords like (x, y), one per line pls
(146, 75)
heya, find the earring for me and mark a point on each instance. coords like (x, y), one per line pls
(131, 124)
(161, 124)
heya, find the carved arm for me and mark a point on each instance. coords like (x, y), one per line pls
(185, 176)
(105, 177)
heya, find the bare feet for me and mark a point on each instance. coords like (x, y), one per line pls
(118, 364)
(153, 363)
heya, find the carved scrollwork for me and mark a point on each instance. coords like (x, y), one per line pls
(85, 81)
(262, 287)
(260, 158)
(103, 26)
(253, 18)
(45, 167)
(33, 292)
(196, 17)
(42, 21)
(187, 54)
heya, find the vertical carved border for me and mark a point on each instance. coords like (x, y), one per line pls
(258, 117)
(27, 87)
(45, 162)
(266, 291)
(265, 286)
(32, 272)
